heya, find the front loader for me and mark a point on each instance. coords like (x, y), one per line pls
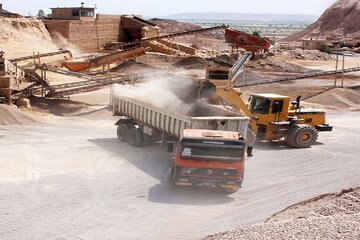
(273, 117)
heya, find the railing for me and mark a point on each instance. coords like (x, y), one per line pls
(14, 70)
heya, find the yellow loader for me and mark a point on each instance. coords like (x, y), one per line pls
(273, 117)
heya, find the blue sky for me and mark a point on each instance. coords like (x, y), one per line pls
(157, 8)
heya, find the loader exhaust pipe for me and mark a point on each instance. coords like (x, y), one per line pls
(298, 102)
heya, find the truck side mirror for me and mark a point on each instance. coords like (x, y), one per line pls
(249, 151)
(170, 147)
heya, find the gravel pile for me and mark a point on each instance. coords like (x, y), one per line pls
(299, 54)
(275, 63)
(329, 216)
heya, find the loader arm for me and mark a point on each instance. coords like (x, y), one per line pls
(232, 98)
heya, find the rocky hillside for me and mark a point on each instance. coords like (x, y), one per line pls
(341, 20)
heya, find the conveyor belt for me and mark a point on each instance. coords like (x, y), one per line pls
(299, 76)
(38, 55)
(137, 42)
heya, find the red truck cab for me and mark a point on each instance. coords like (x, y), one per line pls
(210, 158)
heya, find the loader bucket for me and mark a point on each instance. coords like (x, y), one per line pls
(205, 89)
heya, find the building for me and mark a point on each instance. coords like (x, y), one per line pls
(89, 31)
(311, 44)
(4, 13)
(73, 13)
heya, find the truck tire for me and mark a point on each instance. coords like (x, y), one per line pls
(134, 136)
(302, 136)
(122, 132)
(250, 137)
(231, 191)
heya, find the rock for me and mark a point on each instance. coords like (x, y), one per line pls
(23, 102)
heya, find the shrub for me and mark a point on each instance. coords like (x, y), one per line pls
(324, 48)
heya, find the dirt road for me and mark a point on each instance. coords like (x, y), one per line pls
(72, 179)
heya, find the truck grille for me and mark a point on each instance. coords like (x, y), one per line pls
(207, 172)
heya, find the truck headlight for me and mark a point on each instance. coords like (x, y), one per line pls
(187, 170)
(183, 179)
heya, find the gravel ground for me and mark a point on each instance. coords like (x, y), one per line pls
(70, 178)
(329, 216)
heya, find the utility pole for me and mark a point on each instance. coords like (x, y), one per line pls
(336, 68)
(342, 74)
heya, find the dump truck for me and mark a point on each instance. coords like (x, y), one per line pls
(206, 151)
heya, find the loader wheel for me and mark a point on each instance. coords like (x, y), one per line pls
(135, 136)
(302, 137)
(122, 132)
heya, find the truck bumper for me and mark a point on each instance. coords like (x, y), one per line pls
(230, 184)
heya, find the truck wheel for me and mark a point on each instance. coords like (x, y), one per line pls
(250, 137)
(122, 132)
(302, 137)
(229, 191)
(135, 136)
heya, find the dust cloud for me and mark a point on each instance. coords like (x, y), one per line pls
(164, 90)
(63, 43)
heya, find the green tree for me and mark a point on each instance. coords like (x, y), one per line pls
(358, 44)
(41, 14)
(256, 34)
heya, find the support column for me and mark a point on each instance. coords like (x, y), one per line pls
(336, 68)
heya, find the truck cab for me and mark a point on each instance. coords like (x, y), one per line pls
(209, 158)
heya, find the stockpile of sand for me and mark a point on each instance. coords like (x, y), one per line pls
(338, 98)
(330, 216)
(23, 36)
(10, 115)
(210, 39)
(191, 62)
(342, 19)
(168, 26)
(275, 63)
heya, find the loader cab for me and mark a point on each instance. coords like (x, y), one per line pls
(269, 107)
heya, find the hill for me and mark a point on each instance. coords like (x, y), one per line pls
(341, 20)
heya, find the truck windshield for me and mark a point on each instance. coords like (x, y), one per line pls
(260, 105)
(212, 150)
